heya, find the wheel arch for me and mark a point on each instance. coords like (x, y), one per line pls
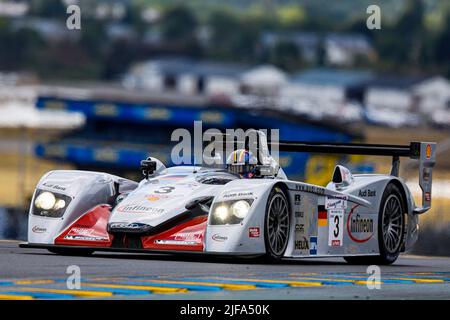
(285, 190)
(402, 189)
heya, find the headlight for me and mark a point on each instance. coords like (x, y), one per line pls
(240, 208)
(49, 204)
(46, 201)
(221, 213)
(230, 212)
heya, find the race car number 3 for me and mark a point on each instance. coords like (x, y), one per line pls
(335, 227)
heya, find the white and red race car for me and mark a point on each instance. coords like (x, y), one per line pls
(365, 218)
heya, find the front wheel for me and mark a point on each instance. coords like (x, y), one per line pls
(391, 226)
(276, 224)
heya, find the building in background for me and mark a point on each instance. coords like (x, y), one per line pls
(124, 127)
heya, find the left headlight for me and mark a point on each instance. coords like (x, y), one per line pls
(230, 212)
(49, 204)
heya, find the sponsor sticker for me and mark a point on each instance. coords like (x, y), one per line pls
(253, 232)
(313, 245)
(336, 202)
(237, 195)
(367, 193)
(297, 199)
(219, 238)
(176, 242)
(189, 236)
(37, 229)
(54, 186)
(301, 244)
(139, 208)
(360, 228)
(85, 238)
(155, 197)
(336, 227)
(427, 196)
(428, 151)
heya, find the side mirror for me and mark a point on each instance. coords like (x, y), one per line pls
(148, 167)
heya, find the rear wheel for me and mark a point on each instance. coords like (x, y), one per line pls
(71, 252)
(391, 225)
(277, 224)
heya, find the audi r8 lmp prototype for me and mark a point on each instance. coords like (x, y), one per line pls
(238, 210)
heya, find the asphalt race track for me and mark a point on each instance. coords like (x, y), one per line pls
(37, 274)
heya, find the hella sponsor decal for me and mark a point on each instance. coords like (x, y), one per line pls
(253, 232)
(219, 238)
(37, 229)
(360, 229)
(301, 244)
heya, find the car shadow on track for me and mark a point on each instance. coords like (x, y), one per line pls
(200, 258)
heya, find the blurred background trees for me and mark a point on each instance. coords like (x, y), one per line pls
(415, 34)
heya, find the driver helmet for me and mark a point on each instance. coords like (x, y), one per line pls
(242, 162)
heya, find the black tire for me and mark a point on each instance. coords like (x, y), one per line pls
(391, 222)
(276, 225)
(71, 252)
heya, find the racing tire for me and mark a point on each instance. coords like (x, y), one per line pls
(276, 225)
(71, 252)
(391, 226)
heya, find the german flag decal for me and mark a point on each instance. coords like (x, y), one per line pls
(322, 218)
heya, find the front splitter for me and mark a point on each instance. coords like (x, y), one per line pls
(140, 251)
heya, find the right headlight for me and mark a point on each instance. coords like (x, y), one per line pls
(230, 212)
(240, 209)
(50, 204)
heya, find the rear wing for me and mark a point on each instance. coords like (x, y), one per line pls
(424, 152)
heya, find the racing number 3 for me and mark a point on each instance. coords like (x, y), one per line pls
(336, 224)
(165, 190)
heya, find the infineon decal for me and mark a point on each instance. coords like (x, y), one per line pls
(360, 229)
(137, 208)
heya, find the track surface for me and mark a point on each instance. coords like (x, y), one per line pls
(35, 273)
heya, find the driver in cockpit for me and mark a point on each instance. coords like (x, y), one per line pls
(243, 163)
